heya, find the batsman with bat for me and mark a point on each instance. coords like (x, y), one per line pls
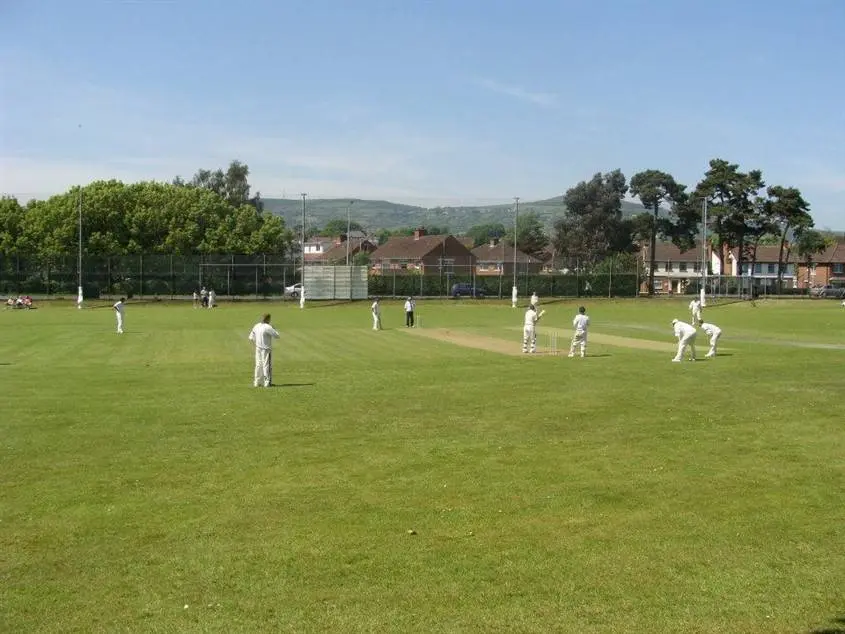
(529, 330)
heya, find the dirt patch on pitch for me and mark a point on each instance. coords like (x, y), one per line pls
(467, 340)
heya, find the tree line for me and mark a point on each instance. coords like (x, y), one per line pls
(215, 212)
(212, 213)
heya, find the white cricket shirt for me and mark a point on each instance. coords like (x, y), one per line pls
(580, 323)
(711, 329)
(262, 335)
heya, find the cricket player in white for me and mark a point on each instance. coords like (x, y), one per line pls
(714, 332)
(262, 335)
(686, 337)
(535, 300)
(581, 323)
(410, 305)
(514, 297)
(529, 330)
(118, 313)
(695, 311)
(376, 310)
(212, 298)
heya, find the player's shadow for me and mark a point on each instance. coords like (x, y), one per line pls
(837, 628)
(292, 384)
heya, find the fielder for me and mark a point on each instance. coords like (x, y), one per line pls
(535, 300)
(376, 310)
(118, 313)
(580, 323)
(714, 332)
(212, 298)
(529, 330)
(514, 297)
(695, 311)
(686, 337)
(262, 335)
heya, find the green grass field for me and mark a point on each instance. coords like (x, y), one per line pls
(148, 487)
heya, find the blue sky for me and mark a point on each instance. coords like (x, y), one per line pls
(427, 102)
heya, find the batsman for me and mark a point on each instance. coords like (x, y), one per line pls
(529, 329)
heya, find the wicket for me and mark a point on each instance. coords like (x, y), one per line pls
(551, 343)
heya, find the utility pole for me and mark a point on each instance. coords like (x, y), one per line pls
(348, 224)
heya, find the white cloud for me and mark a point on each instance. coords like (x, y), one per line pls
(537, 98)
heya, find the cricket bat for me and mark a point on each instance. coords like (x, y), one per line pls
(542, 312)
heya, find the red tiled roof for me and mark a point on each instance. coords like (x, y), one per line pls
(501, 253)
(338, 252)
(666, 251)
(408, 247)
(768, 253)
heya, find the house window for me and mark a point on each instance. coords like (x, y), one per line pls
(758, 269)
(839, 269)
(771, 269)
(682, 267)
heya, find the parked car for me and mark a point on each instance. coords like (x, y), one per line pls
(293, 290)
(828, 292)
(466, 290)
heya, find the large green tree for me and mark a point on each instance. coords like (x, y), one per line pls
(790, 212)
(808, 244)
(531, 236)
(592, 227)
(655, 189)
(232, 185)
(482, 234)
(733, 208)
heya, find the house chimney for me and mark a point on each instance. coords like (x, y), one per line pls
(419, 232)
(492, 242)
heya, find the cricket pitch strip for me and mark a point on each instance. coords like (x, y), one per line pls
(514, 348)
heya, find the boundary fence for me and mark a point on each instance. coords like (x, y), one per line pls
(264, 276)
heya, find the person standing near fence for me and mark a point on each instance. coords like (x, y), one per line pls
(534, 299)
(410, 306)
(514, 297)
(714, 332)
(212, 298)
(203, 297)
(262, 335)
(376, 310)
(579, 338)
(118, 313)
(686, 338)
(196, 298)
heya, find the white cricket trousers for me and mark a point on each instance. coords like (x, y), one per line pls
(263, 367)
(376, 322)
(578, 339)
(529, 339)
(713, 341)
(682, 346)
(119, 323)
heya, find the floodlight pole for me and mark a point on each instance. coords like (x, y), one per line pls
(79, 254)
(348, 224)
(703, 291)
(515, 224)
(302, 278)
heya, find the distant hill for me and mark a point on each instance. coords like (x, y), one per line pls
(382, 214)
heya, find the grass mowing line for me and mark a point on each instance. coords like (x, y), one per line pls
(489, 344)
(612, 340)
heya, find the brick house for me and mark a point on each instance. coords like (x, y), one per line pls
(674, 269)
(497, 259)
(762, 266)
(828, 268)
(423, 255)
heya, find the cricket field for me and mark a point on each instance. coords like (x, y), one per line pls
(422, 480)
